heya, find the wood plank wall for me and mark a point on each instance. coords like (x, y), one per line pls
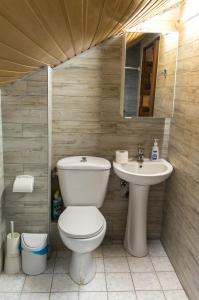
(25, 142)
(181, 214)
(2, 219)
(86, 121)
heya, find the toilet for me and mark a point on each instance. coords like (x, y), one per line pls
(83, 183)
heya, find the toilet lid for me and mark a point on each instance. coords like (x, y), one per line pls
(81, 221)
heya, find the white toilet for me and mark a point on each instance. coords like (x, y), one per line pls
(83, 183)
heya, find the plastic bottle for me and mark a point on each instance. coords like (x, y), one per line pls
(155, 150)
(57, 206)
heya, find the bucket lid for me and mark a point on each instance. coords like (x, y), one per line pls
(83, 163)
(34, 240)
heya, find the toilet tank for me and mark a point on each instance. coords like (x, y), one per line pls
(83, 180)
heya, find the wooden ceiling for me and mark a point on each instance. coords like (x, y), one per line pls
(35, 33)
(133, 38)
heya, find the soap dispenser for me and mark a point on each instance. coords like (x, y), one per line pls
(155, 150)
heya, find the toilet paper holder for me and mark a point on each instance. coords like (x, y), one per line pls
(23, 184)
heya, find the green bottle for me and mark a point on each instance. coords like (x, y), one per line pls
(57, 206)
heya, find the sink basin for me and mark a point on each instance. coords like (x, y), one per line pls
(140, 177)
(147, 173)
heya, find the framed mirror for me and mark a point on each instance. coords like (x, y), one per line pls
(148, 74)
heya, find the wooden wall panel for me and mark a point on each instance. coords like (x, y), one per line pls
(2, 217)
(181, 214)
(25, 136)
(86, 121)
(35, 33)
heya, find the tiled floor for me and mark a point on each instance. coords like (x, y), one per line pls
(119, 277)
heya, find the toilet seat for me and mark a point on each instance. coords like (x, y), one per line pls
(81, 222)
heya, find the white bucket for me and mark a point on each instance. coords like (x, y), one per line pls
(34, 253)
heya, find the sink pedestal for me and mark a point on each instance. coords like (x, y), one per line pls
(136, 229)
(140, 177)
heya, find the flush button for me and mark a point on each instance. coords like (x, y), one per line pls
(84, 159)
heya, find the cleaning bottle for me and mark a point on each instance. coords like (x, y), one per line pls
(57, 206)
(155, 150)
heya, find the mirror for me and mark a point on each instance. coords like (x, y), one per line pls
(148, 74)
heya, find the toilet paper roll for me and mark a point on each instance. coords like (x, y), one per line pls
(23, 184)
(121, 156)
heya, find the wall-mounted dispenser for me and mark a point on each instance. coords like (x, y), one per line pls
(23, 184)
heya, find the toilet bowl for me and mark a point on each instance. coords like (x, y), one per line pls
(83, 182)
(82, 229)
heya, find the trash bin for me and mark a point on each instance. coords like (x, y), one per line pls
(34, 253)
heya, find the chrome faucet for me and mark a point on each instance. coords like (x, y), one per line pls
(140, 155)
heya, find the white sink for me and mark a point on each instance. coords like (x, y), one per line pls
(140, 176)
(147, 173)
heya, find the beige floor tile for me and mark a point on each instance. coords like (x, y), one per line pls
(116, 264)
(146, 281)
(113, 274)
(50, 264)
(150, 295)
(169, 281)
(175, 295)
(63, 283)
(119, 282)
(162, 264)
(37, 284)
(142, 264)
(113, 250)
(93, 296)
(62, 265)
(99, 265)
(122, 296)
(11, 283)
(35, 296)
(98, 284)
(156, 248)
(9, 296)
(64, 296)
